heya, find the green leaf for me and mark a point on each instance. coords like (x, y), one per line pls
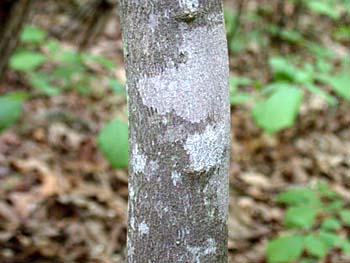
(342, 33)
(325, 191)
(323, 94)
(329, 238)
(64, 74)
(345, 216)
(308, 260)
(240, 98)
(32, 35)
(335, 240)
(283, 70)
(300, 216)
(10, 109)
(279, 110)
(340, 83)
(41, 82)
(333, 206)
(52, 47)
(318, 50)
(344, 245)
(70, 57)
(315, 246)
(299, 196)
(117, 87)
(26, 60)
(285, 248)
(113, 143)
(105, 62)
(323, 8)
(330, 224)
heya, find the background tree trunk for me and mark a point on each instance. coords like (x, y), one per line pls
(90, 21)
(177, 71)
(13, 13)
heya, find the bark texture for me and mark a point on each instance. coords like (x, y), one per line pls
(13, 14)
(179, 116)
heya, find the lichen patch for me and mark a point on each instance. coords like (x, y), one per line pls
(195, 87)
(198, 252)
(176, 177)
(206, 149)
(139, 160)
(143, 228)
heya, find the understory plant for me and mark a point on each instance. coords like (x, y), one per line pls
(50, 68)
(317, 220)
(275, 106)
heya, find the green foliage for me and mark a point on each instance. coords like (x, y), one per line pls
(113, 143)
(26, 60)
(117, 87)
(278, 110)
(10, 109)
(317, 218)
(340, 82)
(285, 248)
(236, 97)
(315, 246)
(271, 111)
(299, 196)
(50, 69)
(32, 35)
(277, 104)
(324, 7)
(345, 216)
(302, 216)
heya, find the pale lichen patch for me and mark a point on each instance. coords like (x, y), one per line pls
(188, 88)
(175, 177)
(143, 228)
(189, 4)
(219, 186)
(198, 252)
(132, 222)
(206, 149)
(139, 160)
(211, 247)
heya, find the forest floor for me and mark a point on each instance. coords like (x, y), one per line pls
(60, 201)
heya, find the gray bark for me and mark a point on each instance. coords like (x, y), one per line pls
(179, 117)
(13, 14)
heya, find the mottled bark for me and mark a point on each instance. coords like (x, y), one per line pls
(177, 78)
(13, 14)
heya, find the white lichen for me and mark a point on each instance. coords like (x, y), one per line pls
(197, 87)
(190, 4)
(206, 149)
(211, 247)
(198, 252)
(132, 222)
(139, 160)
(176, 177)
(131, 192)
(143, 228)
(151, 169)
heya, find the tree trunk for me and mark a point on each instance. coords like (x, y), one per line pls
(179, 116)
(13, 14)
(90, 22)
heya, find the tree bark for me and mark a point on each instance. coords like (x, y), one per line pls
(179, 117)
(13, 13)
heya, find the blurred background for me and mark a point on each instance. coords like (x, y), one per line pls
(63, 131)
